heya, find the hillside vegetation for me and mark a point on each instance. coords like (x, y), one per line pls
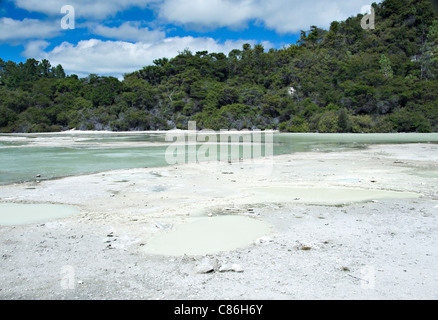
(345, 79)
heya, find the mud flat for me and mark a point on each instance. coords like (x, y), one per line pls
(359, 224)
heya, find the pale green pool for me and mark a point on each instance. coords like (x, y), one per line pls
(24, 156)
(208, 236)
(17, 213)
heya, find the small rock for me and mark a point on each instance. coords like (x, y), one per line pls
(230, 268)
(38, 176)
(206, 265)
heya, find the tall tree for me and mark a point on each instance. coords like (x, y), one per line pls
(58, 72)
(45, 68)
(385, 67)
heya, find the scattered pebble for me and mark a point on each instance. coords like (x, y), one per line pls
(263, 240)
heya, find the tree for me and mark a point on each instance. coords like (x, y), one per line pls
(11, 75)
(58, 72)
(344, 120)
(385, 67)
(161, 62)
(7, 116)
(45, 68)
(345, 79)
(30, 70)
(2, 67)
(429, 52)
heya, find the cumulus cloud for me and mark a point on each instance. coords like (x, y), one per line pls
(116, 58)
(98, 9)
(34, 48)
(129, 31)
(17, 30)
(283, 16)
(209, 14)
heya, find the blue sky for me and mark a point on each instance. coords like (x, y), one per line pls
(113, 37)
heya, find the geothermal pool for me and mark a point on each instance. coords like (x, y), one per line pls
(325, 196)
(48, 156)
(208, 236)
(17, 213)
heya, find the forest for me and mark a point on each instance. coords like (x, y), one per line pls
(344, 79)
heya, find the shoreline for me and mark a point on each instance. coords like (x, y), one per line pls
(79, 132)
(226, 131)
(314, 251)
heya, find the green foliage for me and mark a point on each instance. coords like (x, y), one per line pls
(344, 79)
(328, 122)
(7, 117)
(404, 120)
(385, 67)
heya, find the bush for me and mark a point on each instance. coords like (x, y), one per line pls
(7, 116)
(328, 122)
(405, 120)
(297, 124)
(362, 124)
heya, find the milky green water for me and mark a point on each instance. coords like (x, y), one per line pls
(23, 157)
(17, 213)
(325, 196)
(208, 236)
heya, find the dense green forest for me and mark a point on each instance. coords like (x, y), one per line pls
(345, 79)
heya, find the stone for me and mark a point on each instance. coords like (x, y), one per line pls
(230, 268)
(206, 265)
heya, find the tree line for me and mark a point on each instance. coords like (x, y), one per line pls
(344, 79)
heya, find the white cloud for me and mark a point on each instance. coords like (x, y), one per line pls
(34, 48)
(98, 9)
(129, 31)
(15, 31)
(118, 57)
(283, 16)
(208, 13)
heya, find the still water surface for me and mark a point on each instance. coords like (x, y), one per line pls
(24, 156)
